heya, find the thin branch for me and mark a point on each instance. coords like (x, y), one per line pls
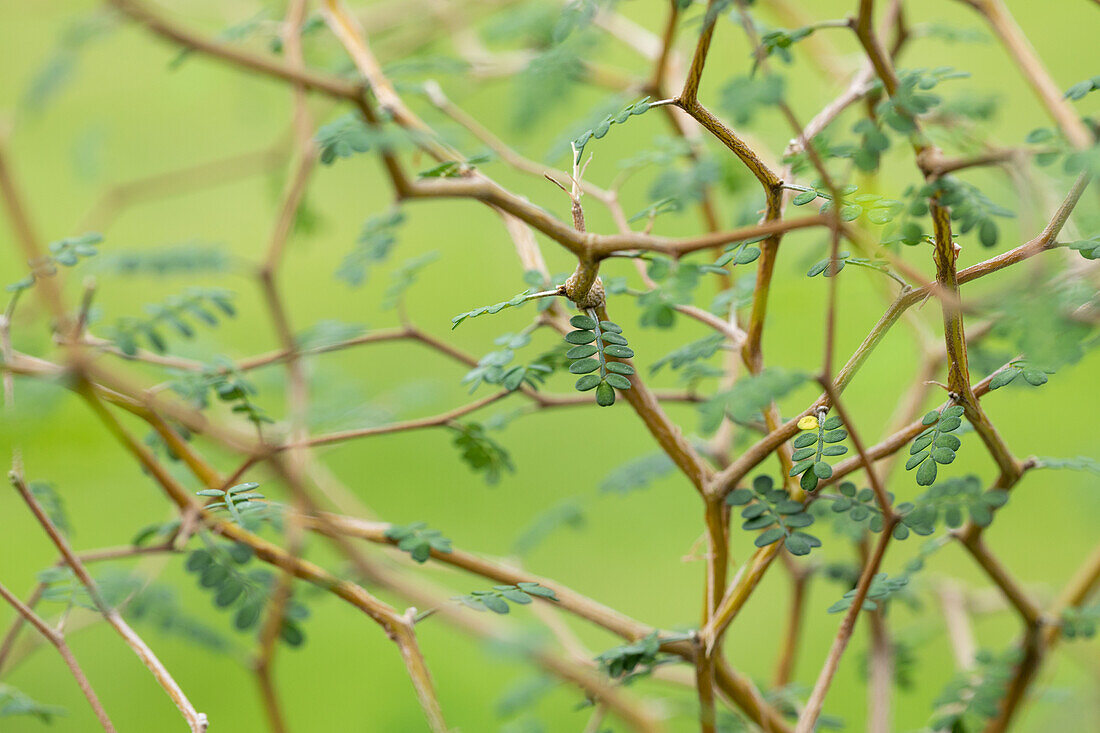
(195, 720)
(58, 642)
(807, 721)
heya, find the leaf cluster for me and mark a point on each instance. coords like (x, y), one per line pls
(818, 440)
(973, 697)
(1034, 377)
(631, 110)
(748, 396)
(196, 305)
(376, 239)
(15, 702)
(454, 168)
(772, 510)
(958, 499)
(493, 368)
(603, 340)
(417, 540)
(690, 353)
(861, 510)
(480, 452)
(935, 445)
(882, 587)
(185, 258)
(514, 302)
(239, 500)
(1079, 622)
(66, 252)
(1089, 248)
(622, 661)
(743, 96)
(228, 385)
(217, 568)
(496, 600)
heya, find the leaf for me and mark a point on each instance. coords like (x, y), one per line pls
(768, 537)
(926, 474)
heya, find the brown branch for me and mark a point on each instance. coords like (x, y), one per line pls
(195, 720)
(261, 64)
(1023, 54)
(58, 642)
(807, 721)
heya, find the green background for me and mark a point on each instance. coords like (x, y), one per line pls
(124, 114)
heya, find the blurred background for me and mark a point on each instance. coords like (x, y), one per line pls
(89, 102)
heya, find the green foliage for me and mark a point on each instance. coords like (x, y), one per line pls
(690, 353)
(822, 267)
(958, 499)
(67, 252)
(218, 569)
(950, 33)
(973, 697)
(1080, 463)
(228, 385)
(873, 142)
(779, 41)
(158, 606)
(185, 258)
(935, 445)
(637, 474)
(417, 540)
(376, 239)
(882, 587)
(480, 452)
(1089, 248)
(911, 98)
(52, 503)
(514, 302)
(860, 509)
(344, 137)
(576, 15)
(675, 284)
(493, 367)
(239, 501)
(740, 253)
(495, 600)
(454, 168)
(743, 96)
(1081, 88)
(679, 185)
(1006, 376)
(1042, 324)
(604, 340)
(196, 305)
(772, 510)
(597, 132)
(622, 661)
(748, 397)
(813, 445)
(14, 702)
(1080, 622)
(970, 208)
(548, 79)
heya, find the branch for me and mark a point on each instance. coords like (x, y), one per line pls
(195, 720)
(66, 654)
